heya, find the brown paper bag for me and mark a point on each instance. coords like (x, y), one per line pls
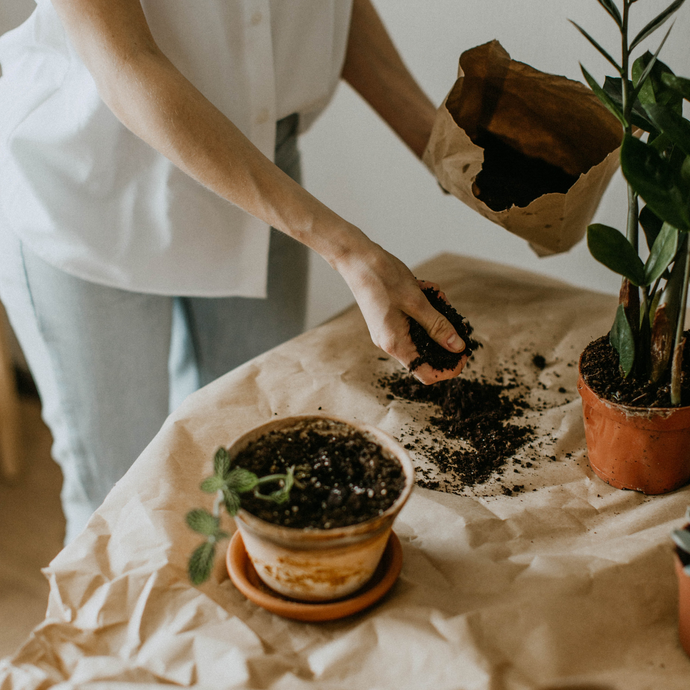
(530, 151)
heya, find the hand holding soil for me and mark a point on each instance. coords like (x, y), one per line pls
(391, 299)
(433, 362)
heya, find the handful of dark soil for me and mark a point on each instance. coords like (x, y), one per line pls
(344, 476)
(510, 178)
(601, 371)
(429, 351)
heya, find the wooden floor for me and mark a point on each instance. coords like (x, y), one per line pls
(33, 529)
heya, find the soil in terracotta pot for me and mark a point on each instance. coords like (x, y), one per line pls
(510, 178)
(600, 370)
(345, 477)
(429, 351)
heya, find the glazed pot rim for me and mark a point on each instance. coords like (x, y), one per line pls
(317, 536)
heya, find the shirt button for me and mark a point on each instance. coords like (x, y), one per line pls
(262, 116)
(256, 18)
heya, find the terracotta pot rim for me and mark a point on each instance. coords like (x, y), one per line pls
(633, 412)
(316, 538)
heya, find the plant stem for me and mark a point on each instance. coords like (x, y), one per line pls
(676, 368)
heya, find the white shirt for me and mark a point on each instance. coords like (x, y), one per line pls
(94, 200)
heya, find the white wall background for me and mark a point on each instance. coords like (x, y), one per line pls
(356, 165)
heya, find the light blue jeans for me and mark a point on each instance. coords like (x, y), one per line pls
(110, 364)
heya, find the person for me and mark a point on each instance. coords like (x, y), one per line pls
(151, 187)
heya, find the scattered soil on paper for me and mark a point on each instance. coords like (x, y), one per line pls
(429, 351)
(510, 178)
(479, 413)
(345, 476)
(600, 370)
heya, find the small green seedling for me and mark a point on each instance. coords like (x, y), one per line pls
(228, 484)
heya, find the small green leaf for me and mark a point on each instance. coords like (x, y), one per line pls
(604, 97)
(221, 463)
(680, 85)
(682, 539)
(623, 341)
(202, 521)
(597, 46)
(200, 563)
(672, 124)
(611, 8)
(212, 484)
(648, 70)
(241, 480)
(662, 254)
(651, 224)
(655, 23)
(232, 501)
(664, 191)
(611, 248)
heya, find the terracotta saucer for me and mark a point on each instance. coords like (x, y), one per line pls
(244, 577)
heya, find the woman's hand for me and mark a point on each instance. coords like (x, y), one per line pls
(387, 294)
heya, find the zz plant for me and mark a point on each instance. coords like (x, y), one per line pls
(647, 98)
(228, 483)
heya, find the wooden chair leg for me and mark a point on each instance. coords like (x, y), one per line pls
(9, 410)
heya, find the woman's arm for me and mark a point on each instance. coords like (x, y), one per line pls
(156, 102)
(376, 71)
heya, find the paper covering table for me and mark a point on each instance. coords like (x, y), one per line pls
(567, 584)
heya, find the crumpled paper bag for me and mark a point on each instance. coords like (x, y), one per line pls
(541, 115)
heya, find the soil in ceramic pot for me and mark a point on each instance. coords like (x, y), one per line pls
(510, 178)
(600, 370)
(344, 476)
(429, 351)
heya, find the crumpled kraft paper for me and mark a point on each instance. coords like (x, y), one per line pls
(542, 115)
(567, 584)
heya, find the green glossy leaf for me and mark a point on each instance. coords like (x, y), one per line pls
(678, 84)
(654, 89)
(200, 563)
(613, 87)
(662, 254)
(604, 97)
(611, 248)
(672, 124)
(221, 463)
(212, 484)
(611, 8)
(241, 480)
(650, 67)
(623, 341)
(666, 193)
(651, 224)
(232, 501)
(202, 521)
(597, 46)
(685, 170)
(653, 25)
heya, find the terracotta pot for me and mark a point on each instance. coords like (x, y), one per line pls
(645, 449)
(320, 564)
(683, 604)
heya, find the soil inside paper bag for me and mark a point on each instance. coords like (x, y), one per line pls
(511, 178)
(344, 477)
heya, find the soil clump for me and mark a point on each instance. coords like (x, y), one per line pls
(343, 476)
(511, 178)
(600, 370)
(429, 351)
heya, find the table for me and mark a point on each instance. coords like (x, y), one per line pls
(567, 584)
